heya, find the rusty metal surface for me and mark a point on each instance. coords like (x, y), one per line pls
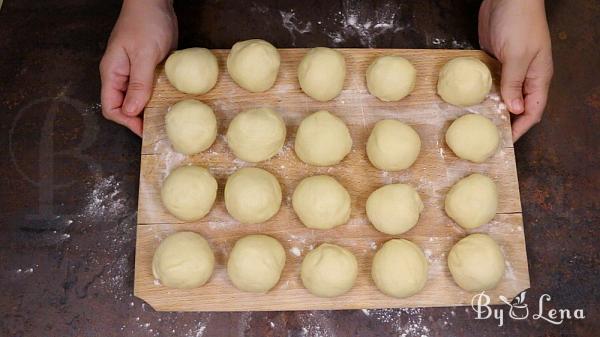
(69, 179)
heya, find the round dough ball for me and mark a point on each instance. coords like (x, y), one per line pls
(321, 202)
(476, 263)
(329, 270)
(321, 73)
(399, 268)
(394, 209)
(183, 260)
(464, 81)
(391, 78)
(252, 195)
(473, 137)
(189, 192)
(322, 139)
(192, 70)
(472, 201)
(255, 263)
(253, 64)
(393, 145)
(191, 126)
(256, 134)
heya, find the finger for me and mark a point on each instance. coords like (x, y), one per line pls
(140, 84)
(114, 72)
(535, 88)
(132, 123)
(513, 75)
(522, 124)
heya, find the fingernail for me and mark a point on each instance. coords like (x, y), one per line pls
(517, 105)
(130, 108)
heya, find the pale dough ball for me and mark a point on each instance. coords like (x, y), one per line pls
(394, 209)
(191, 126)
(192, 70)
(472, 201)
(252, 195)
(253, 64)
(256, 134)
(189, 192)
(391, 78)
(321, 73)
(183, 260)
(473, 137)
(464, 81)
(322, 139)
(393, 145)
(329, 270)
(255, 263)
(321, 202)
(399, 268)
(476, 263)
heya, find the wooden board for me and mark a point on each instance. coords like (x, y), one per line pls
(434, 172)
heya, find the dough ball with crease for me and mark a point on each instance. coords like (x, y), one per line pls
(252, 195)
(322, 139)
(255, 263)
(321, 73)
(321, 202)
(256, 134)
(192, 70)
(393, 145)
(472, 201)
(391, 78)
(464, 81)
(399, 268)
(253, 64)
(191, 126)
(189, 192)
(329, 270)
(473, 137)
(183, 260)
(476, 263)
(394, 209)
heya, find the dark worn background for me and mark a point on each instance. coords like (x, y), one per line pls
(69, 179)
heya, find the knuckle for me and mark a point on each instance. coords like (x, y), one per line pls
(137, 85)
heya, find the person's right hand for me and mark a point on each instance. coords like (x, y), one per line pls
(145, 32)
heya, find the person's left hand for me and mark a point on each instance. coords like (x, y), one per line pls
(516, 33)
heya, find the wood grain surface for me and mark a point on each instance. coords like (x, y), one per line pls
(434, 172)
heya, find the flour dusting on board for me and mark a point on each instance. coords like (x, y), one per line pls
(293, 25)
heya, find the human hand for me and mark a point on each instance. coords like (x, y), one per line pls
(516, 33)
(145, 32)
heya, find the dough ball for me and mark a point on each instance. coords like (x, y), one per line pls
(321, 73)
(191, 126)
(189, 192)
(192, 70)
(252, 195)
(256, 134)
(399, 268)
(393, 145)
(255, 263)
(394, 209)
(321, 202)
(476, 263)
(329, 270)
(322, 139)
(472, 201)
(391, 78)
(253, 64)
(464, 81)
(183, 260)
(473, 137)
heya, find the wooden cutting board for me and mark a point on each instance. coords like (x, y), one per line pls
(435, 170)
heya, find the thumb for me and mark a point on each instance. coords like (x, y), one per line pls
(139, 88)
(513, 75)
